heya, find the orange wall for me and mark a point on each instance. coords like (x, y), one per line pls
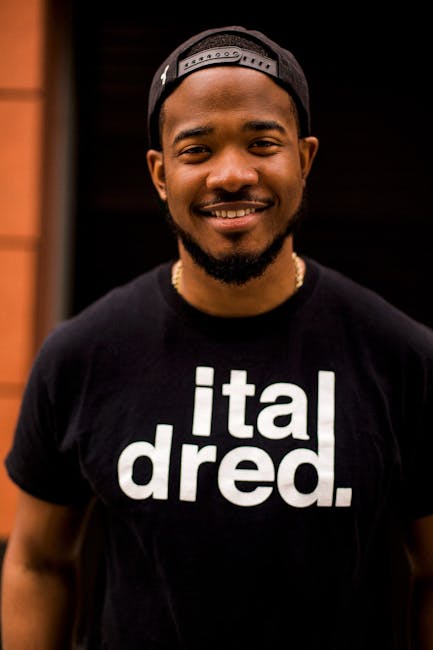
(21, 111)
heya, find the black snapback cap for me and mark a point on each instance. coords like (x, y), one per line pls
(280, 64)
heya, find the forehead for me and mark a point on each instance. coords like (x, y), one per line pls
(227, 90)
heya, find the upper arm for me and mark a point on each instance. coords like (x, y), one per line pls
(45, 534)
(420, 545)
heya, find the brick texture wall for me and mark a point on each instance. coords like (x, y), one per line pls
(21, 113)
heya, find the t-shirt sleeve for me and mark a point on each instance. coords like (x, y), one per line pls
(417, 452)
(44, 458)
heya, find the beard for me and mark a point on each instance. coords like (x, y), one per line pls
(236, 268)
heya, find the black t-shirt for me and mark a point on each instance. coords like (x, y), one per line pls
(255, 475)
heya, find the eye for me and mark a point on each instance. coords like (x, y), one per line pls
(195, 151)
(264, 146)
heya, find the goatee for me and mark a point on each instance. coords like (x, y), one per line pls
(235, 268)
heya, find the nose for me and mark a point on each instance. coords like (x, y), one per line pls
(231, 170)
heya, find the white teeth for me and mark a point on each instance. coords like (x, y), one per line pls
(232, 214)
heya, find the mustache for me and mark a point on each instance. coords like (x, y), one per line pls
(229, 197)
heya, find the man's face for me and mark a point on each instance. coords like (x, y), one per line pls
(232, 168)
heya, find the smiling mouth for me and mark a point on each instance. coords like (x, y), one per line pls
(232, 214)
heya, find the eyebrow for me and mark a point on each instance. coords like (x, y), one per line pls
(252, 125)
(264, 125)
(191, 133)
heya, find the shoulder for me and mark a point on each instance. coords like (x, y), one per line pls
(367, 312)
(111, 319)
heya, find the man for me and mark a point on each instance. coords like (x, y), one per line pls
(255, 429)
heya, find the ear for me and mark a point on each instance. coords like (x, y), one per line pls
(155, 164)
(307, 151)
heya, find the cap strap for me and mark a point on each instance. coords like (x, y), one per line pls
(222, 55)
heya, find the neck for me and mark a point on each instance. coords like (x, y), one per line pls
(280, 280)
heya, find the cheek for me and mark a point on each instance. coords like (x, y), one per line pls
(284, 170)
(179, 197)
(289, 185)
(183, 183)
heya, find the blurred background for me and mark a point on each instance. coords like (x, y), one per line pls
(77, 211)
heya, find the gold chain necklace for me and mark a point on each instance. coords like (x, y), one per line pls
(299, 273)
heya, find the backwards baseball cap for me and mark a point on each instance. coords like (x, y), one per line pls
(280, 64)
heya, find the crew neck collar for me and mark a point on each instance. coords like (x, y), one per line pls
(276, 317)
